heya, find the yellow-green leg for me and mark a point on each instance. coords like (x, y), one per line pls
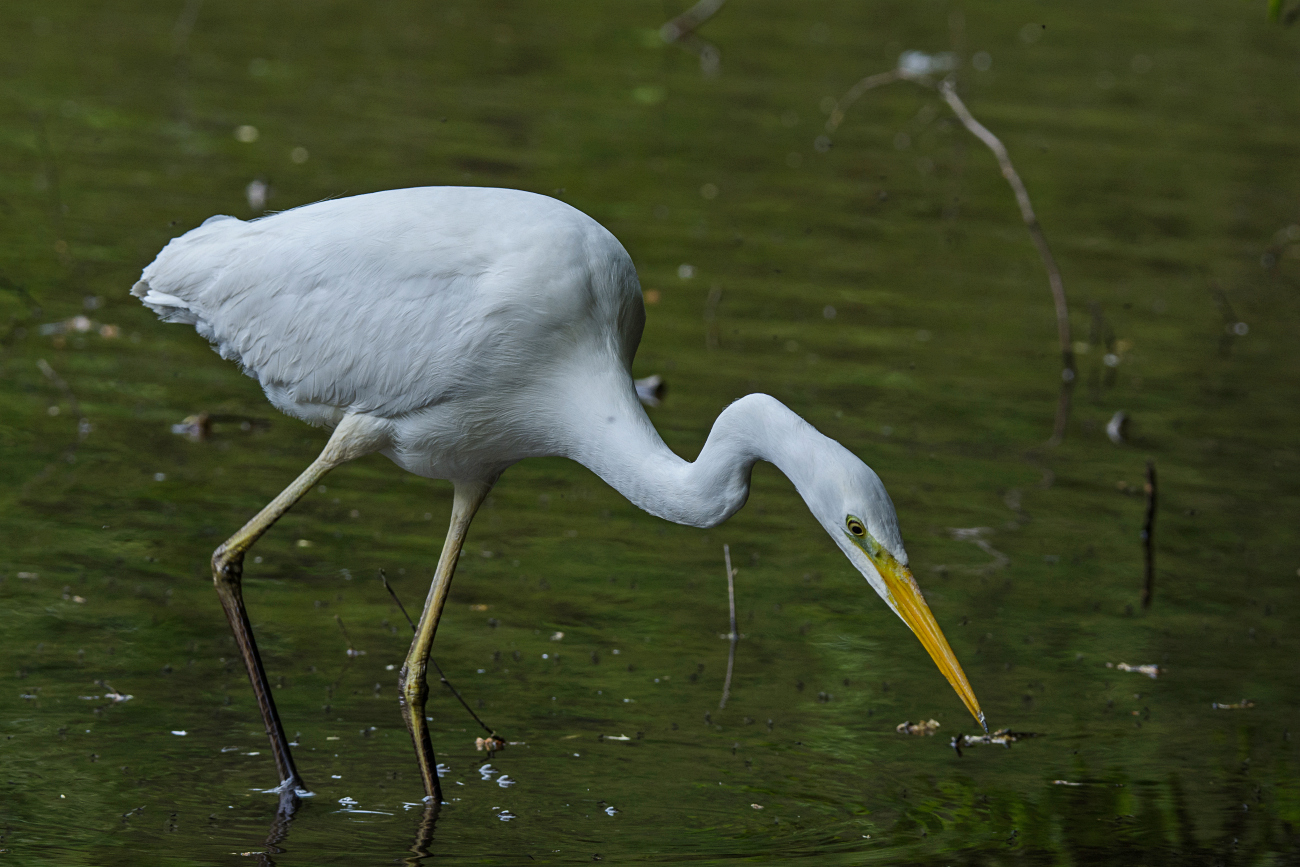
(354, 437)
(413, 685)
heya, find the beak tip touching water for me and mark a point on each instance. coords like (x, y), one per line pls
(906, 599)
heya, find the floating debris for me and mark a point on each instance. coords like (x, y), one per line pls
(757, 806)
(557, 636)
(614, 738)
(920, 63)
(921, 728)
(198, 427)
(258, 190)
(1240, 705)
(491, 743)
(81, 325)
(1065, 783)
(975, 535)
(180, 733)
(1117, 427)
(650, 390)
(1001, 737)
(1151, 671)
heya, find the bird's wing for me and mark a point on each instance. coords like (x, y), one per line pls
(388, 302)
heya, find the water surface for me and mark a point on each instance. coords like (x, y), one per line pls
(883, 287)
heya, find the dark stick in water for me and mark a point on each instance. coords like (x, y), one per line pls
(442, 677)
(1148, 536)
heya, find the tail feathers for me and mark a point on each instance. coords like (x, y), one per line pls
(172, 286)
(169, 308)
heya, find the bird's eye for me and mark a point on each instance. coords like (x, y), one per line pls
(855, 527)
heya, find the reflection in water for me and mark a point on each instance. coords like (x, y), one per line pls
(424, 832)
(289, 804)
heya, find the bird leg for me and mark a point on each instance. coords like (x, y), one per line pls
(354, 437)
(413, 685)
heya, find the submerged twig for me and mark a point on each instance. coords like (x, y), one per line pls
(949, 93)
(975, 536)
(711, 317)
(734, 635)
(855, 92)
(83, 424)
(184, 25)
(492, 734)
(1232, 326)
(383, 576)
(914, 67)
(352, 651)
(51, 173)
(681, 31)
(1148, 536)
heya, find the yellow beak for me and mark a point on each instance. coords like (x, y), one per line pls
(906, 599)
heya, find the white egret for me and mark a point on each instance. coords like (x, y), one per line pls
(459, 330)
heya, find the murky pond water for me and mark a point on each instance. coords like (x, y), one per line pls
(878, 281)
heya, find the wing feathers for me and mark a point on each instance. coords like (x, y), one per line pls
(392, 301)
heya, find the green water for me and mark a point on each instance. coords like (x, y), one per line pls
(1159, 145)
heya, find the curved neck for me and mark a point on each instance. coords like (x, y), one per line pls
(617, 442)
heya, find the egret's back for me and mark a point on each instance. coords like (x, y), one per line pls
(390, 302)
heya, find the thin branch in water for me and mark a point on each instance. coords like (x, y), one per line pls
(734, 635)
(352, 650)
(184, 25)
(442, 677)
(393, 593)
(949, 94)
(51, 171)
(711, 317)
(1232, 327)
(84, 426)
(1148, 537)
(855, 92)
(948, 90)
(690, 20)
(681, 31)
(10, 286)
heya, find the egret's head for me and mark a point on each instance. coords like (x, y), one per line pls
(850, 501)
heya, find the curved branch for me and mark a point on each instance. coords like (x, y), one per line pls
(949, 94)
(948, 91)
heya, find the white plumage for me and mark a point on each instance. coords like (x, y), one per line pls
(460, 330)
